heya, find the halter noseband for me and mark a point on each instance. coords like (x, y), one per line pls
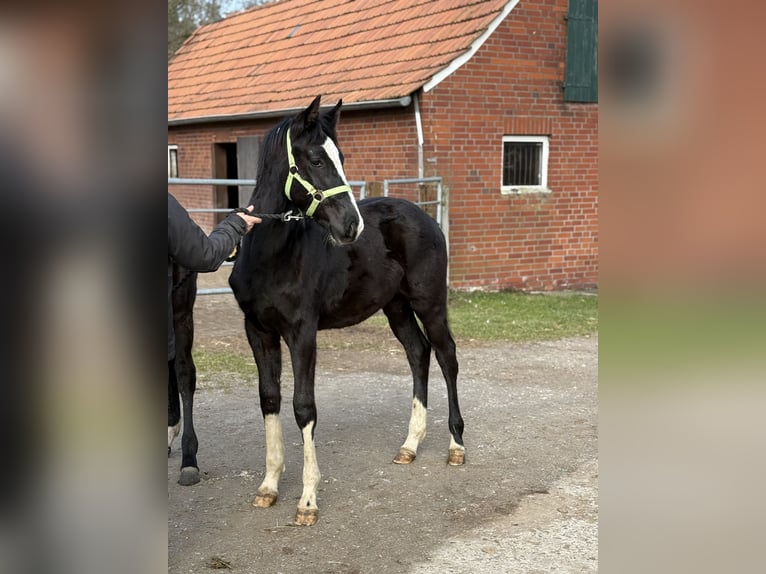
(317, 196)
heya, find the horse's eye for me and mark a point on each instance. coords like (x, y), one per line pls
(316, 162)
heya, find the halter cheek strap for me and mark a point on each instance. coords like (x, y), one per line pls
(317, 196)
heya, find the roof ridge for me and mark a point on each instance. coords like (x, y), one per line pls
(324, 41)
(373, 49)
(433, 52)
(420, 15)
(445, 37)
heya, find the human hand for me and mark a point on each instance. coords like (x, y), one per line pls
(250, 220)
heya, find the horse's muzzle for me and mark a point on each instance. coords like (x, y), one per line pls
(352, 231)
(347, 232)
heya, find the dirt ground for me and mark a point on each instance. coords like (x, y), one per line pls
(525, 501)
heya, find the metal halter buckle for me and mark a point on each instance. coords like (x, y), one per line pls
(288, 216)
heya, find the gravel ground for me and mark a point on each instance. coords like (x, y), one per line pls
(525, 501)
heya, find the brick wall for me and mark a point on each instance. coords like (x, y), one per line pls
(512, 86)
(194, 160)
(377, 145)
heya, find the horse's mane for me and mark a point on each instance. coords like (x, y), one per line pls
(273, 143)
(272, 147)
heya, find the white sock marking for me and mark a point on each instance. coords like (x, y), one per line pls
(173, 433)
(454, 445)
(417, 431)
(275, 453)
(311, 475)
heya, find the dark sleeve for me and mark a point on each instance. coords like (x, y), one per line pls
(190, 247)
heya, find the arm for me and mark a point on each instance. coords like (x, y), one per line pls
(190, 247)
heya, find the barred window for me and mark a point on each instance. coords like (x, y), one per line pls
(172, 161)
(525, 163)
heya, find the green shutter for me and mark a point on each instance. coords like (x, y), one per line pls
(581, 83)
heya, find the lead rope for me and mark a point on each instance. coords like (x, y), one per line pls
(286, 217)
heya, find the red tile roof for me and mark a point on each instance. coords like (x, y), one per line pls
(278, 56)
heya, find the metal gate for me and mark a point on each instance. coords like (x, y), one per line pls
(437, 202)
(362, 185)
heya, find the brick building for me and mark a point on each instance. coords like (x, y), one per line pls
(497, 97)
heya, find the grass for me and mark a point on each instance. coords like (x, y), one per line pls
(476, 317)
(510, 316)
(513, 316)
(223, 362)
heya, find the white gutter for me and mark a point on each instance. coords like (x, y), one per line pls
(419, 126)
(402, 102)
(465, 56)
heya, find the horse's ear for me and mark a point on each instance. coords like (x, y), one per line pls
(334, 114)
(310, 115)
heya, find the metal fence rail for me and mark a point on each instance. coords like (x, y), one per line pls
(362, 185)
(410, 180)
(209, 181)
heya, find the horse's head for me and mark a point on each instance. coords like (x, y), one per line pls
(316, 182)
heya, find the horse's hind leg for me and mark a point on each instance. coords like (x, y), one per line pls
(174, 405)
(186, 374)
(434, 319)
(402, 321)
(268, 358)
(184, 294)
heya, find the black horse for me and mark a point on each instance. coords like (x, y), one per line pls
(333, 268)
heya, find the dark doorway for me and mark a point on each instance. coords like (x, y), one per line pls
(225, 167)
(234, 161)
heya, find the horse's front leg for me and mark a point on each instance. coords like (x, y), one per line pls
(268, 358)
(303, 355)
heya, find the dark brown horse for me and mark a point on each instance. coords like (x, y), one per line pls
(333, 268)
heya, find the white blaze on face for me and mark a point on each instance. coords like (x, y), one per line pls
(332, 152)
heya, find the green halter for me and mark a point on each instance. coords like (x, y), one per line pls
(317, 196)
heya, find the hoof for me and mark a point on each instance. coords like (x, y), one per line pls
(456, 457)
(265, 499)
(189, 476)
(306, 516)
(405, 456)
